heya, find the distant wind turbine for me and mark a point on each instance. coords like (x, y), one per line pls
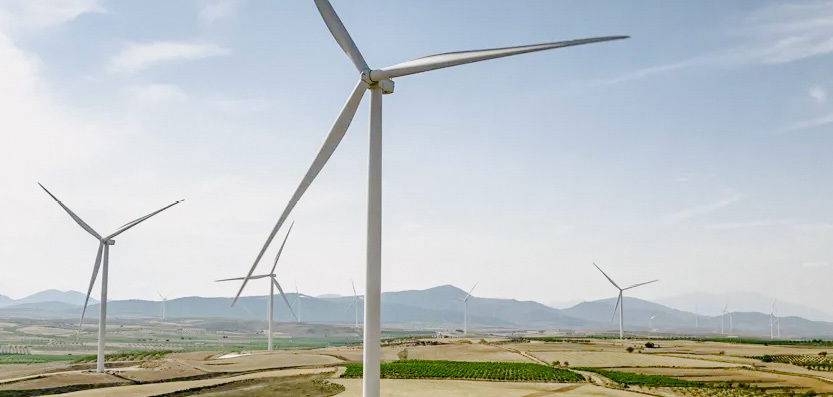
(696, 317)
(297, 303)
(727, 312)
(620, 301)
(164, 302)
(355, 303)
(273, 283)
(102, 261)
(774, 322)
(651, 323)
(379, 82)
(466, 310)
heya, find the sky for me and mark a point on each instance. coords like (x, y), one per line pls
(696, 152)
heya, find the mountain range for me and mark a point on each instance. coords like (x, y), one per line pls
(433, 308)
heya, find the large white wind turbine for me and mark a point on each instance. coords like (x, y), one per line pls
(466, 310)
(102, 261)
(355, 303)
(620, 301)
(272, 284)
(379, 82)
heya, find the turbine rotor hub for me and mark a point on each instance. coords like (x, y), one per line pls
(110, 242)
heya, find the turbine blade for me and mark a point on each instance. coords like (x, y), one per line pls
(615, 308)
(470, 291)
(92, 282)
(278, 256)
(354, 289)
(340, 33)
(606, 276)
(243, 278)
(641, 284)
(76, 218)
(135, 222)
(285, 298)
(440, 61)
(330, 144)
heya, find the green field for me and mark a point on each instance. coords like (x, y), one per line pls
(33, 358)
(631, 379)
(816, 362)
(420, 369)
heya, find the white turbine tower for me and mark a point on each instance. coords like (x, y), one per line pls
(355, 303)
(102, 261)
(651, 323)
(774, 322)
(272, 284)
(620, 301)
(466, 310)
(164, 303)
(379, 82)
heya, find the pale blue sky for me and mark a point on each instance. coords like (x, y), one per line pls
(697, 152)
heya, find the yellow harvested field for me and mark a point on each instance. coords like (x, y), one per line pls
(262, 360)
(463, 352)
(461, 388)
(163, 388)
(611, 359)
(63, 379)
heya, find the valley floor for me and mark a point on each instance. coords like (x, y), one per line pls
(673, 368)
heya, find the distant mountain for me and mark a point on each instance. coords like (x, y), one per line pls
(51, 295)
(5, 300)
(712, 304)
(435, 308)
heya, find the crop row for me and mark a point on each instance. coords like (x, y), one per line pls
(810, 361)
(631, 379)
(128, 356)
(422, 369)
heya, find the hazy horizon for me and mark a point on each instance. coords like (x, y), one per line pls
(695, 152)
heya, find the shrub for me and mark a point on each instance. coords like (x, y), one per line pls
(629, 349)
(650, 345)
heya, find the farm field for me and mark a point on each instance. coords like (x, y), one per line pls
(431, 367)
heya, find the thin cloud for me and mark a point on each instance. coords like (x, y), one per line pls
(28, 15)
(750, 225)
(807, 124)
(818, 94)
(776, 34)
(137, 57)
(702, 209)
(815, 265)
(217, 10)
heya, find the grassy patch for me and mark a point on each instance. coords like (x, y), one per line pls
(423, 369)
(127, 356)
(33, 358)
(631, 379)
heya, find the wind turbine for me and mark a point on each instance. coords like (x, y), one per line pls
(102, 261)
(696, 317)
(164, 302)
(274, 283)
(731, 322)
(466, 310)
(379, 82)
(620, 301)
(297, 303)
(355, 302)
(774, 322)
(651, 323)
